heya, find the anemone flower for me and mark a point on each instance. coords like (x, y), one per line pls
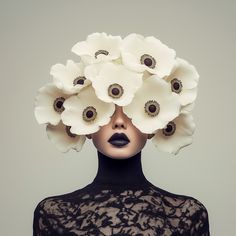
(63, 139)
(177, 134)
(85, 113)
(49, 104)
(98, 47)
(69, 78)
(113, 82)
(140, 54)
(153, 105)
(183, 81)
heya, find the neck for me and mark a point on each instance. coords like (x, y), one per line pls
(119, 171)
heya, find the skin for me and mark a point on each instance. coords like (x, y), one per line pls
(119, 123)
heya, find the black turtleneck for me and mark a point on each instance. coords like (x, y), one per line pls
(120, 201)
(123, 172)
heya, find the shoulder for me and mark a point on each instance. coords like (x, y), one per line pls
(188, 204)
(185, 201)
(192, 213)
(57, 203)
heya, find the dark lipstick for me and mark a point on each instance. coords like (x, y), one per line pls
(118, 139)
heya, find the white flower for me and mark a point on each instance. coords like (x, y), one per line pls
(49, 104)
(63, 139)
(85, 113)
(139, 54)
(153, 106)
(113, 82)
(98, 47)
(176, 135)
(183, 81)
(69, 78)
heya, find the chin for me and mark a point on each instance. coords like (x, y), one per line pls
(120, 152)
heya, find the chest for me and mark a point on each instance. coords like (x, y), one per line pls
(130, 213)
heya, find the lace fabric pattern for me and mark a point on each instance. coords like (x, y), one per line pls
(147, 211)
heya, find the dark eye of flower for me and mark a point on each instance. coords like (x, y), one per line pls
(89, 114)
(101, 52)
(152, 108)
(58, 104)
(148, 60)
(170, 129)
(115, 90)
(176, 85)
(79, 80)
(67, 128)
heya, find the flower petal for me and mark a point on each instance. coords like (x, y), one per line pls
(187, 108)
(49, 104)
(139, 54)
(64, 140)
(98, 47)
(182, 136)
(143, 108)
(69, 78)
(183, 81)
(85, 113)
(114, 82)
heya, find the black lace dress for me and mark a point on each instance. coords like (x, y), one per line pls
(122, 202)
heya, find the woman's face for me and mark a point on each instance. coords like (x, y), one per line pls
(118, 146)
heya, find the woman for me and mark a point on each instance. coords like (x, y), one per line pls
(120, 200)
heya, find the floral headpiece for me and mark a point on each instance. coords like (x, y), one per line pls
(156, 89)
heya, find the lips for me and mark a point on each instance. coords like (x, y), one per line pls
(118, 139)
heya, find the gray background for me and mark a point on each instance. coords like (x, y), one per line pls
(38, 34)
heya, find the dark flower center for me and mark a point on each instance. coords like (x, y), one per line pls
(148, 60)
(176, 85)
(152, 108)
(115, 90)
(101, 52)
(89, 114)
(79, 80)
(58, 104)
(169, 129)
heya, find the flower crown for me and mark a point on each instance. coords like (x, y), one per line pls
(156, 89)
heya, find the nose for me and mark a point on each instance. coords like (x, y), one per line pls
(119, 119)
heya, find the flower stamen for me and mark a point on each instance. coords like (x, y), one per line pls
(115, 90)
(89, 114)
(101, 52)
(58, 104)
(152, 108)
(169, 129)
(176, 85)
(79, 80)
(148, 60)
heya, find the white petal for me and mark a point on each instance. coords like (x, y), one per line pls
(44, 110)
(157, 89)
(182, 137)
(64, 142)
(107, 74)
(134, 46)
(64, 76)
(187, 108)
(74, 107)
(95, 42)
(188, 96)
(186, 73)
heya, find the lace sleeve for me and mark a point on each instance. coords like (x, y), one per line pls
(200, 221)
(41, 225)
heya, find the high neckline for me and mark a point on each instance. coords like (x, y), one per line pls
(119, 172)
